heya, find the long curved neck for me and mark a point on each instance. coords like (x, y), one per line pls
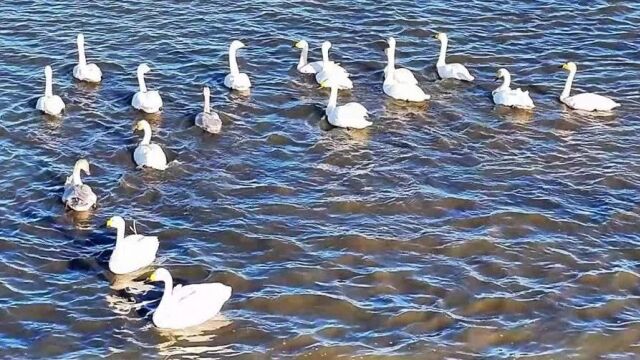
(168, 290)
(82, 60)
(443, 52)
(303, 57)
(119, 235)
(391, 69)
(76, 175)
(141, 83)
(325, 56)
(48, 84)
(146, 139)
(333, 99)
(207, 108)
(233, 64)
(567, 86)
(391, 58)
(507, 81)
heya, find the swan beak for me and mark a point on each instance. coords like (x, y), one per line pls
(564, 66)
(436, 36)
(497, 78)
(152, 277)
(297, 45)
(323, 84)
(110, 223)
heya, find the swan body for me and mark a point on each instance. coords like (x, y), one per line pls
(401, 75)
(450, 71)
(83, 71)
(132, 252)
(352, 115)
(148, 154)
(189, 305)
(78, 196)
(207, 120)
(506, 96)
(584, 101)
(407, 91)
(236, 80)
(332, 74)
(49, 104)
(145, 100)
(304, 66)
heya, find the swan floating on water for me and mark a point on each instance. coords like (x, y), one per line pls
(351, 115)
(584, 101)
(189, 305)
(332, 74)
(236, 80)
(132, 252)
(506, 96)
(148, 101)
(207, 120)
(78, 196)
(399, 90)
(84, 71)
(450, 71)
(148, 154)
(401, 75)
(49, 104)
(304, 66)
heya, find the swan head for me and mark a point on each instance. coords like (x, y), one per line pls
(80, 39)
(143, 68)
(391, 41)
(141, 125)
(47, 71)
(161, 274)
(83, 165)
(326, 84)
(441, 36)
(302, 44)
(116, 222)
(501, 73)
(326, 45)
(570, 66)
(235, 44)
(206, 92)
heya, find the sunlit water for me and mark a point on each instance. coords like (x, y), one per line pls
(452, 229)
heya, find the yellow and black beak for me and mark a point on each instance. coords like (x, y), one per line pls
(110, 223)
(152, 277)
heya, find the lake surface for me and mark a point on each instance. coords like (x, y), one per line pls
(448, 230)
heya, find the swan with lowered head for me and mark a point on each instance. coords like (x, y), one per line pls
(506, 96)
(332, 73)
(304, 66)
(208, 120)
(236, 80)
(401, 75)
(78, 196)
(132, 252)
(148, 101)
(83, 71)
(352, 115)
(49, 104)
(189, 305)
(398, 90)
(450, 71)
(148, 154)
(584, 101)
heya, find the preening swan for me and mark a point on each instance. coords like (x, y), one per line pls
(49, 104)
(304, 66)
(235, 79)
(190, 305)
(406, 91)
(148, 154)
(506, 96)
(148, 101)
(332, 74)
(585, 101)
(84, 71)
(207, 120)
(78, 196)
(401, 75)
(351, 115)
(132, 252)
(450, 71)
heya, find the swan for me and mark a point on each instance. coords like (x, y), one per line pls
(207, 120)
(506, 96)
(450, 71)
(147, 154)
(49, 104)
(401, 90)
(332, 73)
(236, 80)
(78, 196)
(584, 101)
(145, 100)
(132, 252)
(400, 75)
(189, 305)
(84, 71)
(304, 66)
(351, 115)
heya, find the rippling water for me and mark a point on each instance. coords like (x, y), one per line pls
(447, 230)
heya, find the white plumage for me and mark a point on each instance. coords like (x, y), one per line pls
(147, 154)
(83, 71)
(401, 88)
(450, 71)
(133, 252)
(236, 80)
(351, 115)
(506, 96)
(332, 74)
(145, 100)
(304, 66)
(584, 101)
(401, 75)
(49, 104)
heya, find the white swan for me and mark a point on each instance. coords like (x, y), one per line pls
(132, 252)
(235, 79)
(84, 71)
(78, 196)
(506, 96)
(148, 154)
(189, 305)
(304, 66)
(207, 120)
(398, 90)
(401, 75)
(332, 74)
(148, 101)
(450, 71)
(584, 101)
(49, 104)
(351, 115)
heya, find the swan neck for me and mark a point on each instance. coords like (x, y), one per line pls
(303, 57)
(141, 83)
(82, 60)
(391, 58)
(443, 52)
(567, 86)
(77, 180)
(506, 83)
(333, 99)
(146, 139)
(48, 84)
(325, 56)
(119, 235)
(207, 108)
(233, 64)
(168, 291)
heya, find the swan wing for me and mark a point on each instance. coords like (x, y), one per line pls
(149, 102)
(79, 197)
(402, 75)
(405, 91)
(514, 98)
(191, 305)
(351, 115)
(209, 122)
(311, 68)
(134, 253)
(454, 71)
(591, 102)
(237, 81)
(150, 155)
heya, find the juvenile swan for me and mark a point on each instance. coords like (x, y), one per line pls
(132, 252)
(506, 96)
(351, 115)
(49, 104)
(332, 74)
(304, 66)
(208, 120)
(148, 154)
(148, 101)
(401, 75)
(584, 101)
(78, 196)
(84, 71)
(186, 306)
(450, 71)
(235, 79)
